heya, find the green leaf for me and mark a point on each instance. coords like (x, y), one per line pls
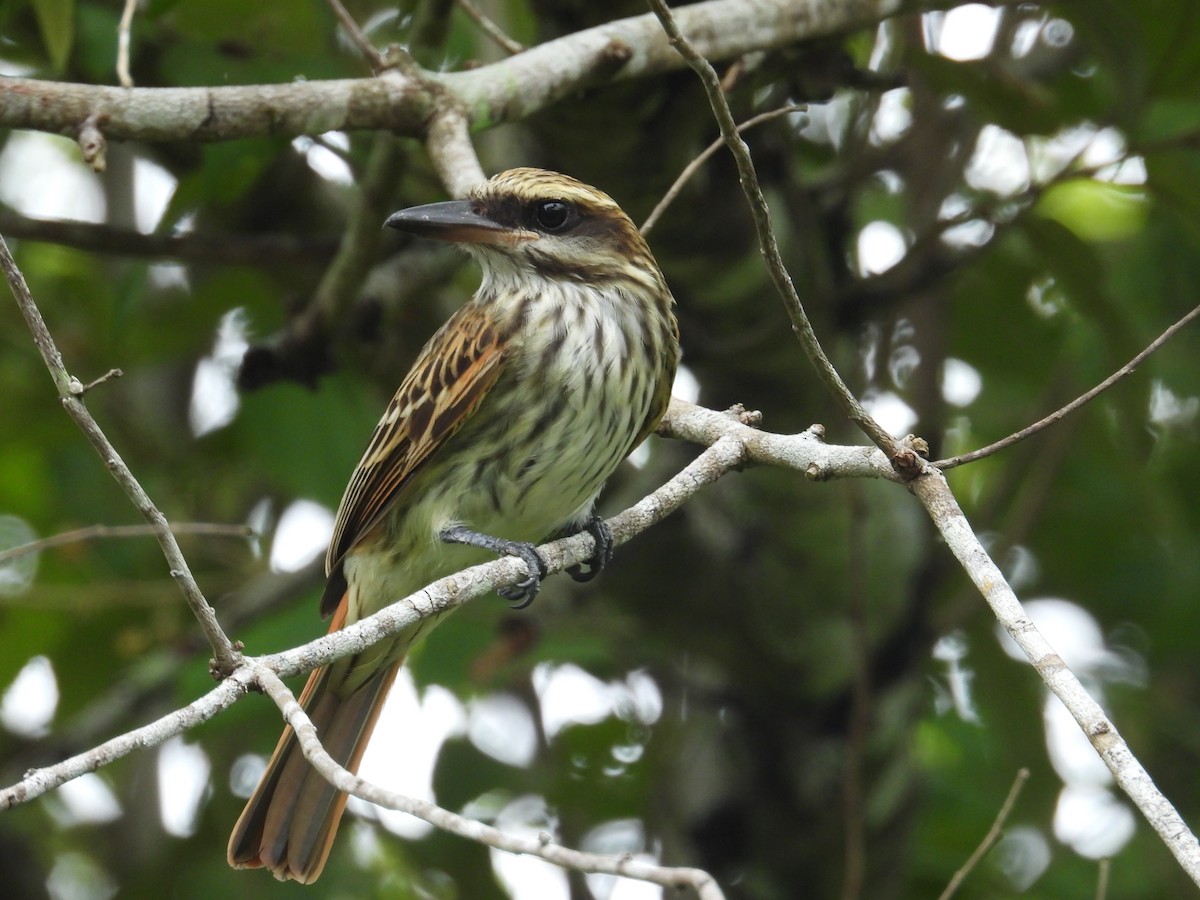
(56, 19)
(1096, 210)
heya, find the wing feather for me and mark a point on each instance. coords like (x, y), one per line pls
(455, 371)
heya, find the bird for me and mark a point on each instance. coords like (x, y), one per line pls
(502, 434)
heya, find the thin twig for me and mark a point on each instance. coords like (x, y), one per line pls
(231, 249)
(341, 153)
(989, 839)
(369, 51)
(491, 29)
(96, 532)
(69, 391)
(542, 846)
(101, 379)
(694, 166)
(1059, 414)
(123, 29)
(770, 249)
(1102, 879)
(854, 813)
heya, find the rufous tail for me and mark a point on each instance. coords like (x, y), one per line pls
(289, 823)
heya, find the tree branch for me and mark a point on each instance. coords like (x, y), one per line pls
(989, 839)
(123, 29)
(92, 532)
(70, 391)
(933, 492)
(40, 781)
(491, 29)
(761, 214)
(369, 51)
(1059, 414)
(448, 142)
(804, 453)
(237, 249)
(541, 846)
(504, 91)
(694, 166)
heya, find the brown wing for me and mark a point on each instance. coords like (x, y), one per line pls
(454, 372)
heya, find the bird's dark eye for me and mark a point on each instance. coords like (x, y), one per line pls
(553, 216)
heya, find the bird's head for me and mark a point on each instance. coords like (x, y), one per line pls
(531, 221)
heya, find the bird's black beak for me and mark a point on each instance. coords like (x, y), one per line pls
(456, 221)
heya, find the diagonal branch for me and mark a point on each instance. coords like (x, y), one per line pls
(490, 28)
(694, 166)
(369, 51)
(934, 493)
(1060, 414)
(70, 391)
(40, 781)
(803, 452)
(801, 325)
(989, 840)
(732, 444)
(542, 846)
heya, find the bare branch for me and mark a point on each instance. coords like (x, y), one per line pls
(505, 91)
(542, 846)
(94, 532)
(770, 248)
(449, 144)
(724, 455)
(1102, 879)
(805, 452)
(70, 391)
(39, 781)
(694, 166)
(234, 249)
(491, 29)
(933, 492)
(369, 51)
(99, 380)
(123, 29)
(989, 839)
(1060, 414)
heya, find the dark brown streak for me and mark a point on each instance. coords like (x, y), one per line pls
(417, 422)
(450, 416)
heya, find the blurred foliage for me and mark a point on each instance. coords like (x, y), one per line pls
(789, 626)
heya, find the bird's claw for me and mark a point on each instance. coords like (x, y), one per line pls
(601, 555)
(522, 593)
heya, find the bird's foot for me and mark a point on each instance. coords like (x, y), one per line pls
(521, 593)
(601, 555)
